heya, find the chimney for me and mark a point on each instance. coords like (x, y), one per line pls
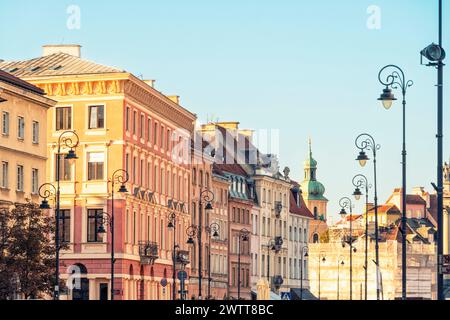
(71, 49)
(175, 99)
(151, 83)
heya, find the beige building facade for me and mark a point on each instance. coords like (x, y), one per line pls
(23, 141)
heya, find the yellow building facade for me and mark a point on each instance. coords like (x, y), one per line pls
(23, 140)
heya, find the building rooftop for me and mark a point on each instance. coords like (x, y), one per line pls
(56, 64)
(10, 79)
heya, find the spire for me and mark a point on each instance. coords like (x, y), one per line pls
(310, 147)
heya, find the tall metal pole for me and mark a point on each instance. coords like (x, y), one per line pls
(174, 259)
(351, 253)
(440, 167)
(57, 242)
(209, 267)
(377, 249)
(404, 246)
(367, 142)
(112, 240)
(301, 280)
(366, 253)
(200, 228)
(239, 268)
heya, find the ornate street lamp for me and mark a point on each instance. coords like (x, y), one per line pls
(172, 218)
(360, 181)
(396, 79)
(213, 232)
(121, 177)
(322, 259)
(365, 142)
(346, 203)
(244, 235)
(109, 221)
(305, 255)
(435, 54)
(206, 196)
(70, 140)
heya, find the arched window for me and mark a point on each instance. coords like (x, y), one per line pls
(316, 213)
(315, 238)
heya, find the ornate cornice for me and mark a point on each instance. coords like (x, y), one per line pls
(165, 108)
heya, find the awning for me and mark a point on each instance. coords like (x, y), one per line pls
(307, 295)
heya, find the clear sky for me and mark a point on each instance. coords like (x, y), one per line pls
(306, 68)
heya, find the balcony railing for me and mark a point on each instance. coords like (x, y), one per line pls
(148, 251)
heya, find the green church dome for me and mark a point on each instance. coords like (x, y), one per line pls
(311, 188)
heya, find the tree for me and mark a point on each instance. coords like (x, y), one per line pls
(29, 252)
(6, 274)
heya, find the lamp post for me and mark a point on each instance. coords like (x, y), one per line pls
(346, 203)
(70, 140)
(172, 218)
(322, 259)
(119, 176)
(435, 53)
(360, 181)
(213, 232)
(109, 220)
(365, 142)
(394, 80)
(305, 255)
(340, 263)
(243, 236)
(208, 197)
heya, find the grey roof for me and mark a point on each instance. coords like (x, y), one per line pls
(57, 64)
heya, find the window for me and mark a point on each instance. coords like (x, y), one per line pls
(95, 220)
(96, 117)
(142, 127)
(34, 181)
(4, 181)
(63, 118)
(168, 140)
(20, 128)
(134, 169)
(65, 173)
(127, 119)
(141, 178)
(162, 138)
(149, 130)
(155, 134)
(95, 165)
(35, 132)
(134, 122)
(19, 178)
(64, 225)
(5, 123)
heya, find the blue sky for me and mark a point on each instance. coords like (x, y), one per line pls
(307, 68)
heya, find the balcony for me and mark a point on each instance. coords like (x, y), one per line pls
(278, 208)
(148, 251)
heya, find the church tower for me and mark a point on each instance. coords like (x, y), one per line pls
(313, 191)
